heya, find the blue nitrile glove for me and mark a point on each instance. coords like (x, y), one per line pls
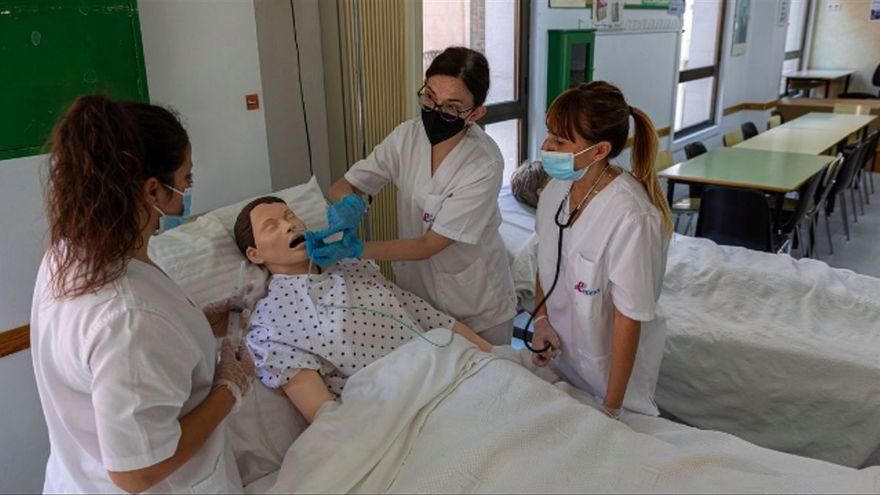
(324, 254)
(346, 213)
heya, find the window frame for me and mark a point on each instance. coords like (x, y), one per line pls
(799, 54)
(519, 107)
(705, 72)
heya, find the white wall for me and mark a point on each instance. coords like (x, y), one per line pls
(611, 53)
(202, 59)
(24, 445)
(847, 39)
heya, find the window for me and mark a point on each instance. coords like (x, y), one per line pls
(795, 38)
(491, 27)
(698, 67)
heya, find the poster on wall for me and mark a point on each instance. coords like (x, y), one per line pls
(740, 27)
(607, 14)
(875, 10)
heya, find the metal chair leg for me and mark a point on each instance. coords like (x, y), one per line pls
(677, 218)
(843, 213)
(828, 231)
(687, 227)
(852, 197)
(871, 179)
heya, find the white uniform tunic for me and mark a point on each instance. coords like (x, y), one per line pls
(116, 369)
(614, 255)
(470, 279)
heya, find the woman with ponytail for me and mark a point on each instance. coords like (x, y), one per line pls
(603, 236)
(125, 364)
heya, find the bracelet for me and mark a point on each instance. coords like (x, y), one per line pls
(542, 317)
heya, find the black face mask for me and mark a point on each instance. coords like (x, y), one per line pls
(439, 130)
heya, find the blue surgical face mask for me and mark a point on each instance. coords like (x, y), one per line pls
(168, 222)
(560, 165)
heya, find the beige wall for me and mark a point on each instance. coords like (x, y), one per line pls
(847, 39)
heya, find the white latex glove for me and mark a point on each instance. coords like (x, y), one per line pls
(235, 371)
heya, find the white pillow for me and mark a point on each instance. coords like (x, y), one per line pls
(201, 256)
(306, 200)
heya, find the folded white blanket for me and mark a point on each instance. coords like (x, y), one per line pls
(449, 420)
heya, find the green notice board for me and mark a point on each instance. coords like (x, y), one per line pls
(52, 51)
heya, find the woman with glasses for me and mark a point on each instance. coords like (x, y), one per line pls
(448, 176)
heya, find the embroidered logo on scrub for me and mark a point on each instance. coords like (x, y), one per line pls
(428, 218)
(586, 290)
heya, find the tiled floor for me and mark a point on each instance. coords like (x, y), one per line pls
(861, 253)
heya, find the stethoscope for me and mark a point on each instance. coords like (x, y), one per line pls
(561, 226)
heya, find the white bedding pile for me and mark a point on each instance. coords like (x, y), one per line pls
(449, 420)
(780, 352)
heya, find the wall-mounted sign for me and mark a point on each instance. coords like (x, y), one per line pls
(740, 27)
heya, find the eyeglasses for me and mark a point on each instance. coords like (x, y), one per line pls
(448, 111)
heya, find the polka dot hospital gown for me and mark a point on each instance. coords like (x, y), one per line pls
(289, 332)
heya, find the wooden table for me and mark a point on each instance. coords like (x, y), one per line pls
(792, 108)
(843, 123)
(792, 140)
(768, 171)
(814, 133)
(823, 76)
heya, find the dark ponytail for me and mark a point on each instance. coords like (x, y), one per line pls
(102, 152)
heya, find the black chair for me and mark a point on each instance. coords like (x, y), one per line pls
(820, 203)
(845, 177)
(789, 233)
(695, 149)
(875, 80)
(749, 130)
(735, 217)
(865, 173)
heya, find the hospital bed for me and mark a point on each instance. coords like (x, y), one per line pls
(784, 353)
(461, 420)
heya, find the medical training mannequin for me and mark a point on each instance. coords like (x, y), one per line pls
(125, 364)
(601, 320)
(309, 350)
(448, 174)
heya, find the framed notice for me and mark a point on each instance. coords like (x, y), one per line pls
(740, 27)
(568, 4)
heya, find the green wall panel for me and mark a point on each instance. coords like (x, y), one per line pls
(52, 51)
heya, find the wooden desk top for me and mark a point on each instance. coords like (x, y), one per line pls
(828, 103)
(842, 123)
(828, 74)
(751, 169)
(794, 140)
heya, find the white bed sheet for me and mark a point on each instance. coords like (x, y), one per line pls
(781, 352)
(517, 222)
(458, 420)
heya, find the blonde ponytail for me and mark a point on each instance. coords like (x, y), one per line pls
(644, 152)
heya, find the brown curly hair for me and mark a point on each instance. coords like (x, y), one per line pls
(102, 153)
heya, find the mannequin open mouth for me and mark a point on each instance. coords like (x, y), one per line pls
(297, 241)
